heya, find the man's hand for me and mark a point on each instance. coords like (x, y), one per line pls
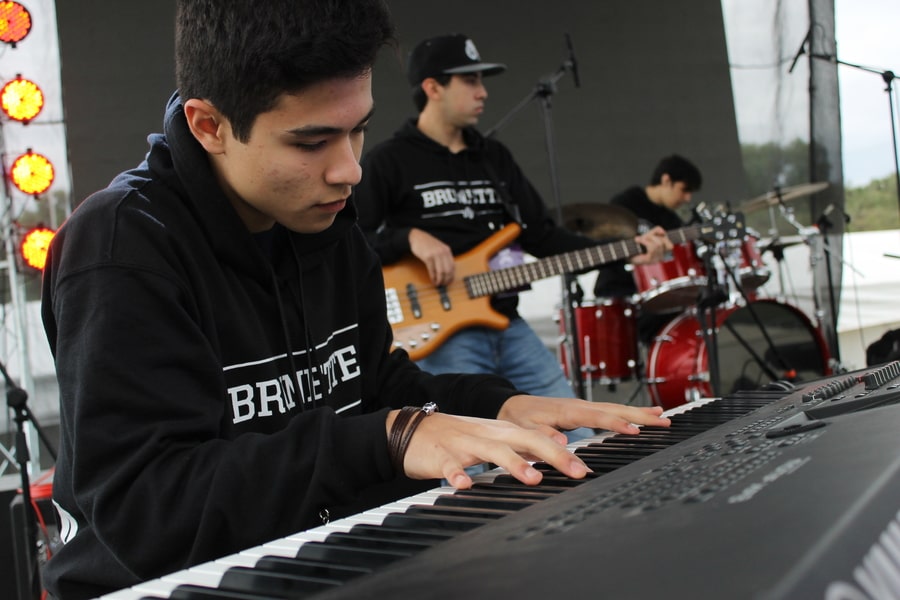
(436, 255)
(657, 244)
(444, 445)
(542, 413)
(526, 429)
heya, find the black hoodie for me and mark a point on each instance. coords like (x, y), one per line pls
(410, 180)
(183, 437)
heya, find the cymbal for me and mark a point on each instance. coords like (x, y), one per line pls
(785, 194)
(600, 220)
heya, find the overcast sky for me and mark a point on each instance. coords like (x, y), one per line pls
(868, 33)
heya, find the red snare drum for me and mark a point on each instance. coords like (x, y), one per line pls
(606, 329)
(678, 360)
(671, 284)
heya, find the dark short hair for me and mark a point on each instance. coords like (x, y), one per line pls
(678, 168)
(242, 55)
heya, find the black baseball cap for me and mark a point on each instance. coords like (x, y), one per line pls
(447, 55)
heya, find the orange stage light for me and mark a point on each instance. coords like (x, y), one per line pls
(21, 99)
(32, 173)
(15, 22)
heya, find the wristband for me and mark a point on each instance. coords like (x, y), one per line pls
(402, 430)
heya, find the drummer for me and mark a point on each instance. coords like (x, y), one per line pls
(672, 184)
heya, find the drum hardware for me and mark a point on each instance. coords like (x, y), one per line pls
(711, 296)
(723, 263)
(816, 238)
(776, 246)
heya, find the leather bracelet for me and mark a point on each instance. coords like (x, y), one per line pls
(397, 429)
(402, 430)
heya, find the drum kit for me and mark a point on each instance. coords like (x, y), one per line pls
(720, 332)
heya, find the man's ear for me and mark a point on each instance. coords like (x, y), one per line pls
(206, 123)
(665, 179)
(431, 87)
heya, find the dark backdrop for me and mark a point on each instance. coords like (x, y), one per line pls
(654, 80)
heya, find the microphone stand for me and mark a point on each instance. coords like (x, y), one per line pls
(888, 77)
(17, 400)
(707, 301)
(824, 224)
(543, 92)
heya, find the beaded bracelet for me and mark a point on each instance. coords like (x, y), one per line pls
(402, 430)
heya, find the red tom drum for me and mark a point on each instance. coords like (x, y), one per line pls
(606, 330)
(672, 284)
(678, 358)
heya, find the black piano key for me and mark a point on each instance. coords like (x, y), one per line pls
(376, 543)
(458, 511)
(342, 554)
(310, 568)
(467, 501)
(394, 533)
(423, 522)
(613, 457)
(555, 481)
(629, 441)
(526, 493)
(197, 592)
(282, 585)
(518, 485)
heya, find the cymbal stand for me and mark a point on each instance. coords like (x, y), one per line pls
(810, 235)
(543, 92)
(762, 328)
(778, 253)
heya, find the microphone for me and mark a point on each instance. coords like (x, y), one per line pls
(800, 50)
(573, 64)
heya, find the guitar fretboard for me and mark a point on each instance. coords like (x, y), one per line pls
(510, 278)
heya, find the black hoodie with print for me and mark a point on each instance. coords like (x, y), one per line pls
(180, 346)
(410, 180)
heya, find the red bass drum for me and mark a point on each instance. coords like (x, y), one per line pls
(678, 358)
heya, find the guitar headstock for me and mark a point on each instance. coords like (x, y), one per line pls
(724, 225)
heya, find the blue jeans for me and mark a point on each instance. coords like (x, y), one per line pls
(516, 353)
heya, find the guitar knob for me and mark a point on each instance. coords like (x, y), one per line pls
(426, 337)
(413, 343)
(435, 326)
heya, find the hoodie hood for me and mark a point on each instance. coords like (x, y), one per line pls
(409, 132)
(183, 165)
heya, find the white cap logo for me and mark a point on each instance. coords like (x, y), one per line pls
(471, 51)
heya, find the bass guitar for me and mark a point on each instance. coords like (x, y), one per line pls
(423, 316)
